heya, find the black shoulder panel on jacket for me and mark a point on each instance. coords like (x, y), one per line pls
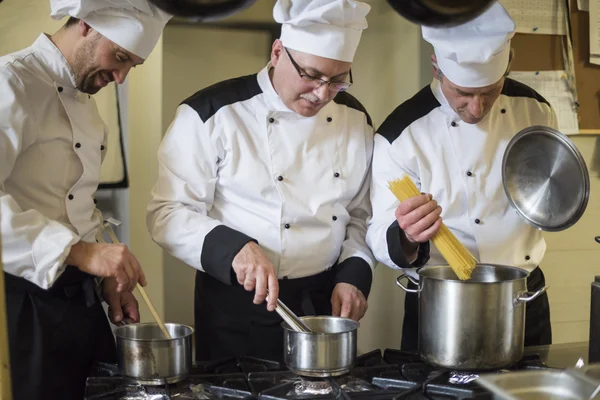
(348, 100)
(408, 112)
(514, 88)
(209, 100)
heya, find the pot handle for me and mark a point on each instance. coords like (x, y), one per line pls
(526, 297)
(406, 289)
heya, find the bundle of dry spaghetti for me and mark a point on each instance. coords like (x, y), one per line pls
(458, 257)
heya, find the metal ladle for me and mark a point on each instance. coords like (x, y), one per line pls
(289, 317)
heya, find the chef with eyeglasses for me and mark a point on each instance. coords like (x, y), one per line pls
(264, 185)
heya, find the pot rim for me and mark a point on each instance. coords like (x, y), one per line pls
(119, 329)
(468, 281)
(286, 327)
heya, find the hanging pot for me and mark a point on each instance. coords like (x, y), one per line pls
(440, 12)
(204, 10)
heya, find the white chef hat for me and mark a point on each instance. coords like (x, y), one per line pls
(135, 25)
(476, 53)
(326, 28)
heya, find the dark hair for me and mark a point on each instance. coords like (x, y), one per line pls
(71, 21)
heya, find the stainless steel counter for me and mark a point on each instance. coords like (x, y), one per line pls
(562, 355)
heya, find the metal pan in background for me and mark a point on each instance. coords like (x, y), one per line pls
(538, 385)
(545, 178)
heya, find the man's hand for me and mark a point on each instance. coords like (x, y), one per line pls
(108, 261)
(419, 218)
(348, 302)
(255, 272)
(121, 305)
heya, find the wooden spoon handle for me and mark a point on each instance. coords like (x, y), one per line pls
(140, 288)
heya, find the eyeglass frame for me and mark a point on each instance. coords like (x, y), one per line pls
(303, 74)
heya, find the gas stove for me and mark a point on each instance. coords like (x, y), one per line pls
(387, 375)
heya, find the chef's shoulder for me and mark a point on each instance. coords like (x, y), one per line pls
(20, 73)
(354, 107)
(16, 59)
(524, 98)
(220, 96)
(10, 68)
(408, 115)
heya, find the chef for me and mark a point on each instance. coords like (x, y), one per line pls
(263, 185)
(52, 142)
(450, 139)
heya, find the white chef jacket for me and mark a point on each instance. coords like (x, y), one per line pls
(52, 142)
(236, 163)
(460, 164)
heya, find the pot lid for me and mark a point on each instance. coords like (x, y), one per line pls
(545, 178)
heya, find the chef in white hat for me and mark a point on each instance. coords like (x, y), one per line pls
(450, 138)
(52, 142)
(263, 185)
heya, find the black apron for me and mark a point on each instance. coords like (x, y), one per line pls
(229, 324)
(55, 336)
(538, 330)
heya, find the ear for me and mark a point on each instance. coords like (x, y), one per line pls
(436, 70)
(510, 60)
(84, 28)
(276, 52)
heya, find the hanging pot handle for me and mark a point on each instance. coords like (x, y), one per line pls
(526, 297)
(405, 288)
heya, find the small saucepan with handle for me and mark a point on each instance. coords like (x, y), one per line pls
(146, 356)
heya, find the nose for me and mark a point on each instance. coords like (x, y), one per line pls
(322, 92)
(476, 107)
(119, 75)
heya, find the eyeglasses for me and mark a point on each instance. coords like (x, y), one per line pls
(335, 86)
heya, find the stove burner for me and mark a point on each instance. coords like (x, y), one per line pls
(224, 386)
(461, 378)
(389, 375)
(331, 387)
(314, 387)
(315, 383)
(144, 396)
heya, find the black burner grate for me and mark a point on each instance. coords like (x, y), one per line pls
(391, 375)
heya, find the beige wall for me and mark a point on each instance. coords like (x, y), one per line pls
(573, 259)
(390, 66)
(145, 134)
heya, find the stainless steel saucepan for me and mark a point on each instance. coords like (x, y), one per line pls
(328, 350)
(147, 357)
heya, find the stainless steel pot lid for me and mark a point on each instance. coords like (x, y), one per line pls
(545, 178)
